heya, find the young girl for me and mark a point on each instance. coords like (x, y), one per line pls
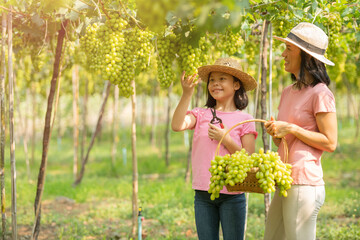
(226, 90)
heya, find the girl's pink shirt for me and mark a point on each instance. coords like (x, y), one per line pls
(203, 148)
(300, 107)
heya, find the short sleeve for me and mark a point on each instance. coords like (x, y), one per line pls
(196, 112)
(249, 128)
(324, 101)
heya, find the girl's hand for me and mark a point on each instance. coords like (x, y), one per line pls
(188, 84)
(217, 133)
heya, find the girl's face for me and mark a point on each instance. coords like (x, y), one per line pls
(222, 86)
(292, 59)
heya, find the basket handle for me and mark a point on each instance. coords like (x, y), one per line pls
(247, 121)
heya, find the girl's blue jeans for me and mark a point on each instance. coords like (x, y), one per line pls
(229, 210)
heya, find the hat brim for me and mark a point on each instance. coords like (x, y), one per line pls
(319, 57)
(248, 81)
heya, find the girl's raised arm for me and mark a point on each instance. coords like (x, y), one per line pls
(182, 121)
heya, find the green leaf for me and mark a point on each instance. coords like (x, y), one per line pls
(78, 5)
(73, 16)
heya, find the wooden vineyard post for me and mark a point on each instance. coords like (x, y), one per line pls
(75, 86)
(265, 43)
(2, 110)
(134, 162)
(11, 129)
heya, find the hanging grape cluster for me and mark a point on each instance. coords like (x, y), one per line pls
(229, 42)
(333, 23)
(145, 48)
(117, 50)
(90, 45)
(252, 49)
(233, 169)
(166, 49)
(189, 58)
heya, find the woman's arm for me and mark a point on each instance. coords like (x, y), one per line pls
(181, 121)
(325, 139)
(248, 140)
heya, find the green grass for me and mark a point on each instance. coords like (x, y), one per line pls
(100, 207)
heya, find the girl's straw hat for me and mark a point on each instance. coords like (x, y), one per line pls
(229, 66)
(309, 38)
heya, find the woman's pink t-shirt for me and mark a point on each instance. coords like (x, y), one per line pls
(300, 107)
(203, 149)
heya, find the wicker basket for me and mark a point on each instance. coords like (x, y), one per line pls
(250, 183)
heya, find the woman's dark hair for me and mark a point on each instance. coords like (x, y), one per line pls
(240, 97)
(315, 68)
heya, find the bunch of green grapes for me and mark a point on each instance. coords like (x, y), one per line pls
(218, 175)
(233, 169)
(117, 51)
(229, 42)
(90, 45)
(229, 169)
(145, 48)
(207, 55)
(333, 23)
(251, 49)
(272, 171)
(37, 59)
(166, 50)
(189, 58)
(282, 26)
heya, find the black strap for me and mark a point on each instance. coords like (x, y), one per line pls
(306, 45)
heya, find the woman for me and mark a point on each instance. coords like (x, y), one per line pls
(307, 118)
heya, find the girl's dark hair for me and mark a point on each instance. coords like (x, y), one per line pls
(240, 97)
(315, 68)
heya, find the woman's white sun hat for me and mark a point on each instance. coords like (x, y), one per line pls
(310, 38)
(229, 66)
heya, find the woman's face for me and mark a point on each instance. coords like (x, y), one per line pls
(292, 59)
(222, 85)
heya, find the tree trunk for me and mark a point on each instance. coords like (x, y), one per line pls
(167, 129)
(153, 111)
(101, 113)
(11, 129)
(134, 162)
(75, 86)
(84, 117)
(267, 196)
(115, 127)
(47, 132)
(2, 103)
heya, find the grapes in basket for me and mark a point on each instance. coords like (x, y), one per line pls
(233, 169)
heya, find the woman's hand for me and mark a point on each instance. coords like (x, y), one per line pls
(278, 129)
(188, 84)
